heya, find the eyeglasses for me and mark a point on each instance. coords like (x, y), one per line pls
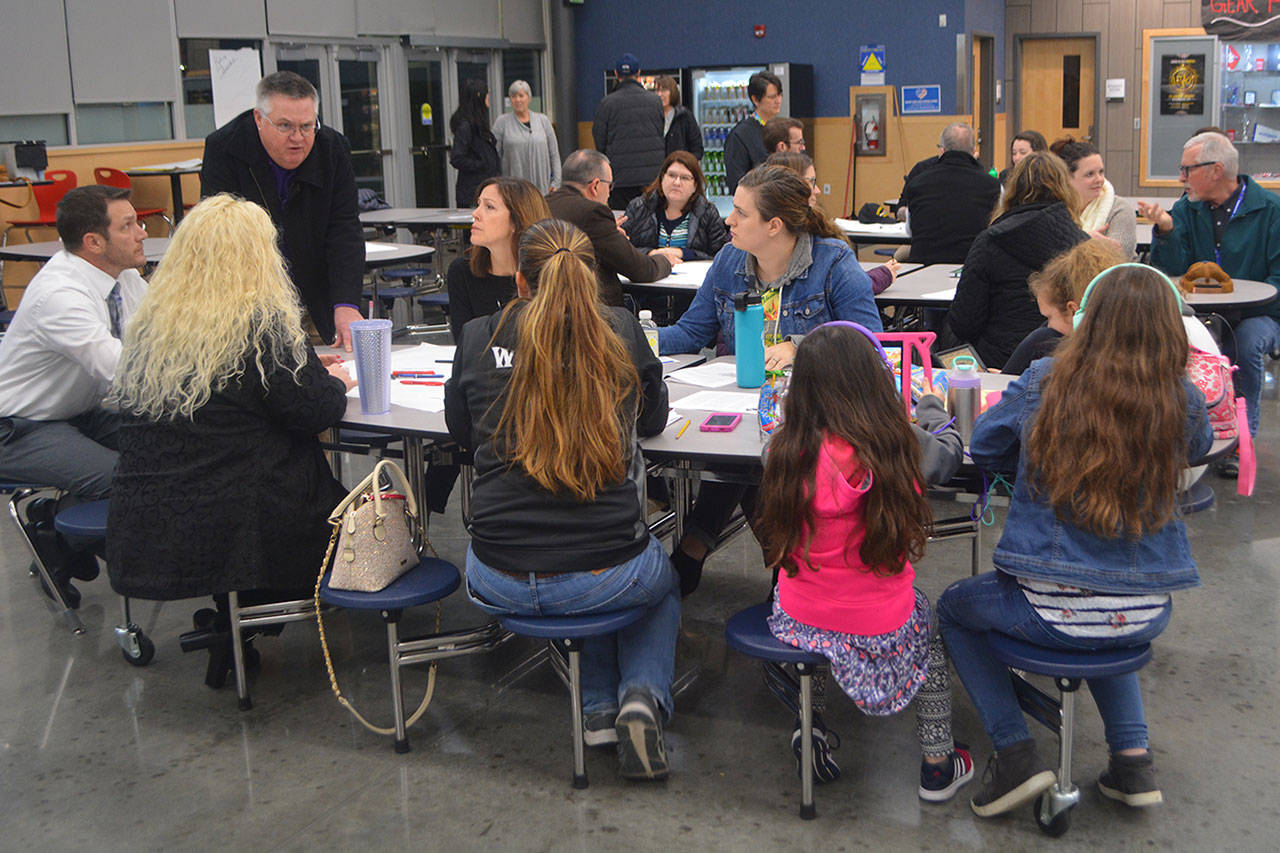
(286, 128)
(679, 179)
(1184, 171)
(608, 184)
(813, 182)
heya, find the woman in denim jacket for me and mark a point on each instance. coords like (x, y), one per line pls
(797, 259)
(1092, 547)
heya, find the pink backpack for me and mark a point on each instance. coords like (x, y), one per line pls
(1212, 375)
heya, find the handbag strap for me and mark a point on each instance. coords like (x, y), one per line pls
(373, 483)
(31, 194)
(328, 661)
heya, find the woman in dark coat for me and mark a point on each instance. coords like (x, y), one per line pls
(679, 127)
(673, 211)
(1033, 224)
(474, 152)
(221, 484)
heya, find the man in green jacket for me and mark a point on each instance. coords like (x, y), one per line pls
(1227, 218)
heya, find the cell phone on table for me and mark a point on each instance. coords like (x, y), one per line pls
(720, 422)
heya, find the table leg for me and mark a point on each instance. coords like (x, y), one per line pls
(414, 470)
(175, 192)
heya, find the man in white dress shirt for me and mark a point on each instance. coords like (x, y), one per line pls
(59, 354)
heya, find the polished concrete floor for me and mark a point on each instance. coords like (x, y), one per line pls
(97, 753)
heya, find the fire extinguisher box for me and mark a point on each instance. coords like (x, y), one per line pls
(871, 120)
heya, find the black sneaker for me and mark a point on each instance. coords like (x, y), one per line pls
(939, 782)
(1014, 775)
(825, 768)
(600, 728)
(641, 753)
(1131, 779)
(1229, 468)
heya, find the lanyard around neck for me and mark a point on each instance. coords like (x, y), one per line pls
(1217, 241)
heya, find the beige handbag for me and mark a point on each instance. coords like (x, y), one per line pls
(375, 532)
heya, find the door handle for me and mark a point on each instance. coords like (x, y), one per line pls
(381, 152)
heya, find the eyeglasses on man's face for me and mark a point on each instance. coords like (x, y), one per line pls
(1185, 171)
(288, 128)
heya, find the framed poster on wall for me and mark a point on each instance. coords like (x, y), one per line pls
(1180, 95)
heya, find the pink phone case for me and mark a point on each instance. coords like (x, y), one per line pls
(707, 426)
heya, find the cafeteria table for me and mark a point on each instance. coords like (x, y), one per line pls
(861, 233)
(687, 277)
(437, 220)
(174, 171)
(377, 254)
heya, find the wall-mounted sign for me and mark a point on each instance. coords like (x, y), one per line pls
(871, 64)
(1254, 20)
(926, 98)
(1182, 84)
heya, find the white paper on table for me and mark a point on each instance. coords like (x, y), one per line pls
(168, 167)
(234, 75)
(371, 248)
(433, 358)
(673, 416)
(713, 374)
(720, 401)
(689, 272)
(949, 293)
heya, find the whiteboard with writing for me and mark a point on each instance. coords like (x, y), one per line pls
(234, 74)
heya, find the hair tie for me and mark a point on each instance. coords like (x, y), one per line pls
(562, 249)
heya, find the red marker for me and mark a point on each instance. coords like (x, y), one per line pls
(418, 382)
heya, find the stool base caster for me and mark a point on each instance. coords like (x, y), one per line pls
(135, 646)
(1052, 810)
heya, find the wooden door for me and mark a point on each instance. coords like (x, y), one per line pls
(1057, 87)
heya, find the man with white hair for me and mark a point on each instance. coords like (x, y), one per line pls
(279, 156)
(950, 198)
(1227, 218)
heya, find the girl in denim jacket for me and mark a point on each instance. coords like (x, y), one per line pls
(1099, 435)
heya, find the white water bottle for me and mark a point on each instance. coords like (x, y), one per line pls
(650, 329)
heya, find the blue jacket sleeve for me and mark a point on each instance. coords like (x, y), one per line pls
(851, 294)
(1199, 430)
(997, 435)
(698, 325)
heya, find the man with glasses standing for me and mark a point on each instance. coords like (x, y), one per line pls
(583, 200)
(280, 156)
(1227, 218)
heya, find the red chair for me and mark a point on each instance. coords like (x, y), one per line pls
(47, 198)
(110, 177)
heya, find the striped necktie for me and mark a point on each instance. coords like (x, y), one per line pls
(115, 307)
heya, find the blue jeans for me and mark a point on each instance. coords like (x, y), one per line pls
(1255, 338)
(992, 602)
(642, 655)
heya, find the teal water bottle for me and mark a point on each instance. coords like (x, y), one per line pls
(748, 339)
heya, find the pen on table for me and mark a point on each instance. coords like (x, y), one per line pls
(685, 427)
(444, 361)
(416, 374)
(419, 382)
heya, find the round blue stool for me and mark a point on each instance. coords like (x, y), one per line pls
(568, 632)
(85, 526)
(431, 580)
(1053, 809)
(748, 632)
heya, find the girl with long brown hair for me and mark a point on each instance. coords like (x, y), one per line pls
(552, 396)
(796, 258)
(842, 512)
(1093, 544)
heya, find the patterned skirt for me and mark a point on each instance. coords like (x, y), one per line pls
(880, 673)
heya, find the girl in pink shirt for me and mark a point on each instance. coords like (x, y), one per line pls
(842, 514)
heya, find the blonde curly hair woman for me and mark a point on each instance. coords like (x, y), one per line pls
(221, 484)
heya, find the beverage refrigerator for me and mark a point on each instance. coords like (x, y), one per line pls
(718, 97)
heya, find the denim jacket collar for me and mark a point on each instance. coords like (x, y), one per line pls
(797, 266)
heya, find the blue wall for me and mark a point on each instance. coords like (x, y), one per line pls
(823, 33)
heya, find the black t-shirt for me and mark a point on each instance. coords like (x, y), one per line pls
(473, 296)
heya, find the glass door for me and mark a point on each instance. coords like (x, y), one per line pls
(428, 118)
(361, 115)
(310, 62)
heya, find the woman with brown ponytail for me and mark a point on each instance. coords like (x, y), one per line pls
(552, 395)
